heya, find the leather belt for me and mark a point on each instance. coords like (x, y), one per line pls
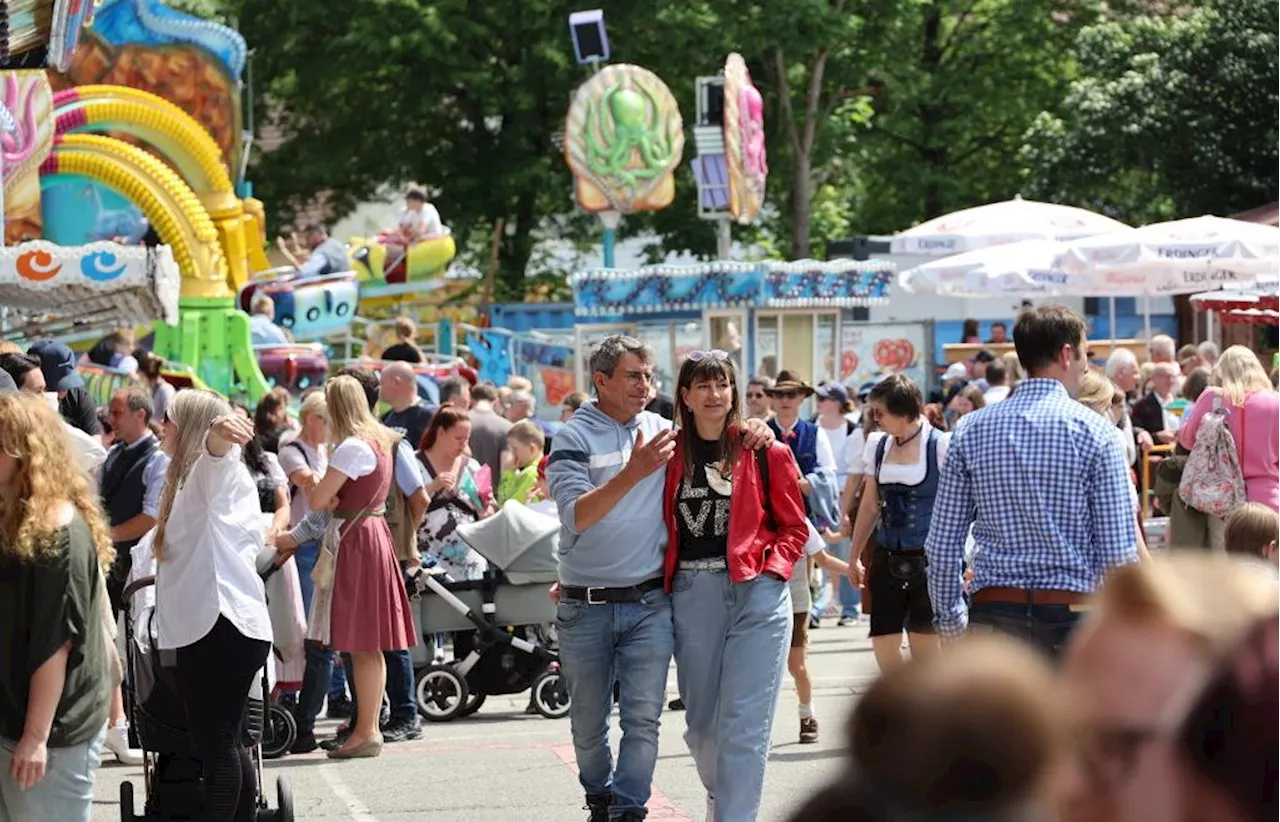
(705, 564)
(1029, 596)
(607, 596)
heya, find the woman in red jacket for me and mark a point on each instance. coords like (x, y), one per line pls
(734, 532)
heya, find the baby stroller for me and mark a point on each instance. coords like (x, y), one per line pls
(170, 771)
(507, 610)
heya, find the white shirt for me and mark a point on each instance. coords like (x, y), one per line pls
(425, 223)
(214, 533)
(87, 449)
(354, 458)
(996, 393)
(913, 474)
(836, 438)
(855, 446)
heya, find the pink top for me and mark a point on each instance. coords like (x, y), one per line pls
(1258, 449)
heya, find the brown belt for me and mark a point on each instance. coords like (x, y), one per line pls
(1029, 596)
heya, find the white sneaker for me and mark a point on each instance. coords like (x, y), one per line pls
(117, 742)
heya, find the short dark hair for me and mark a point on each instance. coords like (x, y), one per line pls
(485, 392)
(415, 193)
(999, 324)
(19, 365)
(137, 398)
(574, 400)
(314, 228)
(1041, 332)
(997, 373)
(368, 381)
(900, 396)
(451, 387)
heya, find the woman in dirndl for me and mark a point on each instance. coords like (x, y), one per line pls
(360, 605)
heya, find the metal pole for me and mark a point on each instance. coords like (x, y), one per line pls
(610, 220)
(1111, 310)
(724, 239)
(1146, 316)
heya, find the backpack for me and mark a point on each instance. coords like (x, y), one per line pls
(404, 533)
(1211, 479)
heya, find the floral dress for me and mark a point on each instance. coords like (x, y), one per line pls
(437, 536)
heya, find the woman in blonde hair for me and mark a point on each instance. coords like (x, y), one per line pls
(1100, 394)
(210, 604)
(405, 347)
(54, 683)
(1239, 384)
(362, 608)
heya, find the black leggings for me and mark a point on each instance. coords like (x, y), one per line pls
(216, 672)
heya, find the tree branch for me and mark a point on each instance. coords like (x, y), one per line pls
(784, 95)
(813, 99)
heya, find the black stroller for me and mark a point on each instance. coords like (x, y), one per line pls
(501, 644)
(171, 773)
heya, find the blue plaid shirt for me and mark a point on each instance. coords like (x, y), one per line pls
(1043, 481)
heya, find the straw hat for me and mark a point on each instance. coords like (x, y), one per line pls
(788, 381)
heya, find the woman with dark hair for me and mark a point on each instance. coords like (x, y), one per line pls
(271, 418)
(455, 499)
(736, 526)
(902, 467)
(162, 391)
(1228, 740)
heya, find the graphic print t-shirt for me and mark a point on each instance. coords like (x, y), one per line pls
(702, 506)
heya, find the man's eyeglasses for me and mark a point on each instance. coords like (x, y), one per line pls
(785, 395)
(713, 354)
(639, 377)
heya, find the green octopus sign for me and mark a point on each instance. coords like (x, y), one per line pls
(624, 138)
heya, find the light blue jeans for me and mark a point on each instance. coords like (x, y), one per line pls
(630, 642)
(731, 645)
(850, 597)
(66, 792)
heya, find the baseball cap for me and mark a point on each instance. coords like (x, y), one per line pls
(956, 371)
(832, 391)
(865, 389)
(7, 385)
(58, 364)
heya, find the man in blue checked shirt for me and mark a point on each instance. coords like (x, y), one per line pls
(1043, 483)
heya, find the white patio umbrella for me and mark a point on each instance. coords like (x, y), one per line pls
(998, 224)
(1024, 269)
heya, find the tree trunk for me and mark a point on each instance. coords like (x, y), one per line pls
(517, 248)
(801, 206)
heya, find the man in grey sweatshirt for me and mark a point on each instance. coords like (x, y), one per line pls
(606, 471)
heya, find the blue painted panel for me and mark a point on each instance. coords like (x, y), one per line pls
(520, 317)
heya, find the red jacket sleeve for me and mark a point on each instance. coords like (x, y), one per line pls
(787, 505)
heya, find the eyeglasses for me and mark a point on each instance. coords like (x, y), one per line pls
(755, 395)
(639, 377)
(714, 354)
(785, 395)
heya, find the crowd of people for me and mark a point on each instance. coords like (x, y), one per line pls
(1108, 685)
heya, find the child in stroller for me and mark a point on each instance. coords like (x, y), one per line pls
(502, 642)
(171, 772)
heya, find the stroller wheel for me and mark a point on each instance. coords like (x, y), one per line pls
(442, 693)
(284, 800)
(473, 704)
(280, 733)
(126, 802)
(550, 696)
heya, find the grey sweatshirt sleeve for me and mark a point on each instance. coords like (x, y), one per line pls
(568, 475)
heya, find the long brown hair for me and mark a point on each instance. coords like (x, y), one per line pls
(46, 476)
(445, 418)
(707, 368)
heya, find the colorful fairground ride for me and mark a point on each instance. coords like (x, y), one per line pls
(126, 204)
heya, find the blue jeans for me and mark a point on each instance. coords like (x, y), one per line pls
(631, 642)
(400, 691)
(731, 644)
(66, 792)
(850, 597)
(1047, 627)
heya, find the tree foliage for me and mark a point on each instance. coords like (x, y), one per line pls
(1171, 116)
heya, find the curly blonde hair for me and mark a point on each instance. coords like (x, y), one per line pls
(32, 434)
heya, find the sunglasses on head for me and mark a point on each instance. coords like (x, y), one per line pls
(713, 354)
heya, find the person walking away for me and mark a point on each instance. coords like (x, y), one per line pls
(1039, 479)
(54, 682)
(488, 429)
(405, 348)
(735, 530)
(410, 414)
(361, 606)
(520, 481)
(902, 467)
(1240, 385)
(210, 604)
(834, 408)
(613, 618)
(131, 485)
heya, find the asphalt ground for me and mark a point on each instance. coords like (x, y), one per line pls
(501, 765)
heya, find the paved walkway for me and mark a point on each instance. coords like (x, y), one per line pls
(501, 765)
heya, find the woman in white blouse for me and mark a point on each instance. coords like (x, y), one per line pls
(902, 467)
(210, 604)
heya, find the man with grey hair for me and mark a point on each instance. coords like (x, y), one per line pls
(1123, 371)
(606, 471)
(1151, 413)
(1162, 348)
(1209, 353)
